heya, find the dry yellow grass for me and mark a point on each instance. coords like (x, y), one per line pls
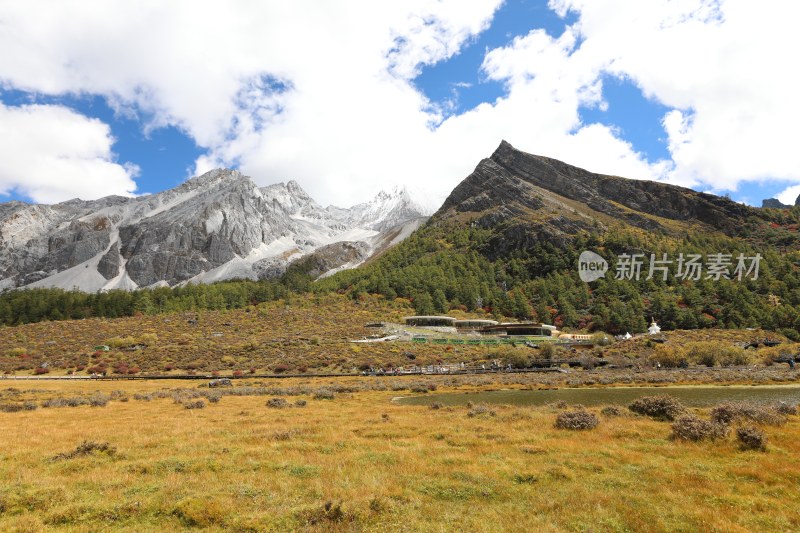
(239, 465)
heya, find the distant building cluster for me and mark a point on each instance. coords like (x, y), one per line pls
(491, 327)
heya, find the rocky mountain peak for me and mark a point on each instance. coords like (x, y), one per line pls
(511, 183)
(387, 209)
(219, 178)
(295, 188)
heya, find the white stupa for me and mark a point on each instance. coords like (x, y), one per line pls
(654, 329)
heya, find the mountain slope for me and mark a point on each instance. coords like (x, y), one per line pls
(507, 241)
(212, 227)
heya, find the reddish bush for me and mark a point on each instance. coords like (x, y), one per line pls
(39, 370)
(278, 369)
(238, 373)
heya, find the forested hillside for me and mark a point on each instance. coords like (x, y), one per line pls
(508, 239)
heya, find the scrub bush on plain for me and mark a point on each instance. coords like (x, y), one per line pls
(692, 428)
(660, 407)
(751, 438)
(576, 420)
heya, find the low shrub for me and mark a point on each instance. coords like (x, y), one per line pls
(751, 438)
(729, 412)
(436, 405)
(560, 404)
(576, 420)
(692, 428)
(481, 410)
(197, 404)
(783, 408)
(214, 397)
(661, 407)
(118, 395)
(324, 394)
(611, 410)
(98, 400)
(300, 403)
(277, 403)
(87, 447)
(95, 400)
(327, 514)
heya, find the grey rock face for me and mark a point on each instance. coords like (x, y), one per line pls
(215, 226)
(77, 243)
(109, 265)
(332, 256)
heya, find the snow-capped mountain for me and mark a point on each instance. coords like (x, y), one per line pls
(212, 227)
(387, 210)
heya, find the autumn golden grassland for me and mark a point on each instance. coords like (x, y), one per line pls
(354, 460)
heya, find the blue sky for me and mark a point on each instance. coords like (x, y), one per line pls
(643, 92)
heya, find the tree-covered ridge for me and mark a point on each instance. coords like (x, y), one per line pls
(35, 305)
(444, 266)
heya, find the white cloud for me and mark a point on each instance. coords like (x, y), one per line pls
(350, 120)
(51, 154)
(321, 92)
(789, 195)
(724, 66)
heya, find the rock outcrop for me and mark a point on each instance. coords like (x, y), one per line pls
(774, 203)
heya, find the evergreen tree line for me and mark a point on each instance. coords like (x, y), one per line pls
(34, 305)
